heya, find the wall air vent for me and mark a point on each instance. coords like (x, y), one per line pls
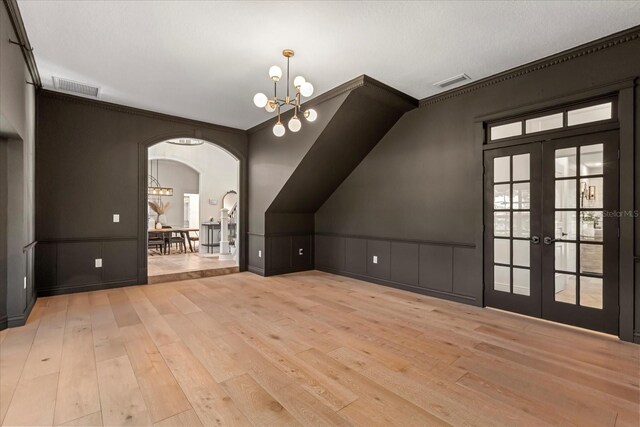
(452, 80)
(75, 87)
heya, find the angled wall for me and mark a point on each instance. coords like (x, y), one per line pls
(291, 177)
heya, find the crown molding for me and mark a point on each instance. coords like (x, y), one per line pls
(21, 33)
(358, 82)
(96, 103)
(607, 42)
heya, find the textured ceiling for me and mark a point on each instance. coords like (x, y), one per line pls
(206, 60)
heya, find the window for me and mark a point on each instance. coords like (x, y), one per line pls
(562, 118)
(506, 131)
(539, 124)
(594, 113)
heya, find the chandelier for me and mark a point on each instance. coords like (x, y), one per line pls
(302, 88)
(153, 184)
(185, 141)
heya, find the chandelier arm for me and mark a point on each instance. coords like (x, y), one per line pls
(287, 77)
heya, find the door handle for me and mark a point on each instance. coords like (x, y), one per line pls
(535, 240)
(548, 240)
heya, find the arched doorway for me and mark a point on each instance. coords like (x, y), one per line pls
(190, 248)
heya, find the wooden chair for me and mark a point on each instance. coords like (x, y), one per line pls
(195, 239)
(174, 238)
(155, 240)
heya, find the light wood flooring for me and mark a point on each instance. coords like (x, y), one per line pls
(304, 349)
(184, 266)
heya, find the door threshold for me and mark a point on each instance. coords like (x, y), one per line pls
(558, 324)
(192, 274)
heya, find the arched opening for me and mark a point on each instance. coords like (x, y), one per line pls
(193, 208)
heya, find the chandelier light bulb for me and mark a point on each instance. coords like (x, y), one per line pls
(306, 89)
(298, 81)
(278, 129)
(260, 100)
(311, 115)
(275, 73)
(270, 107)
(295, 124)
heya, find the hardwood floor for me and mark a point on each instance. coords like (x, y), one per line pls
(304, 349)
(185, 266)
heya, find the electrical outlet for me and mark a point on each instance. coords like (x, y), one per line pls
(98, 262)
(375, 259)
(259, 254)
(300, 251)
(25, 282)
(116, 217)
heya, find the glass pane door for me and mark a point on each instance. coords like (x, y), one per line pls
(512, 228)
(580, 240)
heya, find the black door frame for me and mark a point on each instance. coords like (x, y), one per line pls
(625, 91)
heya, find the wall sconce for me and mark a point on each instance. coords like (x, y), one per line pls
(587, 192)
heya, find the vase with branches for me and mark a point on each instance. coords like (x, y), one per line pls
(159, 208)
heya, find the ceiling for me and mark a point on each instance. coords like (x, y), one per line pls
(206, 60)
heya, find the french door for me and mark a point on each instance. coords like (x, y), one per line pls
(550, 239)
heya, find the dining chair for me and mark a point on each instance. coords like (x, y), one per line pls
(174, 238)
(155, 240)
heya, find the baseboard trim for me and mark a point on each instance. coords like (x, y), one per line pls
(256, 270)
(288, 270)
(464, 299)
(85, 288)
(636, 337)
(4, 322)
(21, 319)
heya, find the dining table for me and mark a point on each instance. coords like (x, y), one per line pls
(184, 232)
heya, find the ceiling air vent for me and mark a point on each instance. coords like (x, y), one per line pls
(75, 87)
(452, 80)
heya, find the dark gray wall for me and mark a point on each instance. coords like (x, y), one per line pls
(17, 127)
(423, 181)
(90, 160)
(3, 232)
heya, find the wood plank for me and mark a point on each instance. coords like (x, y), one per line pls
(162, 394)
(160, 332)
(122, 309)
(78, 382)
(120, 397)
(107, 342)
(184, 419)
(327, 390)
(256, 404)
(46, 351)
(91, 420)
(379, 399)
(33, 402)
(209, 400)
(219, 365)
(13, 356)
